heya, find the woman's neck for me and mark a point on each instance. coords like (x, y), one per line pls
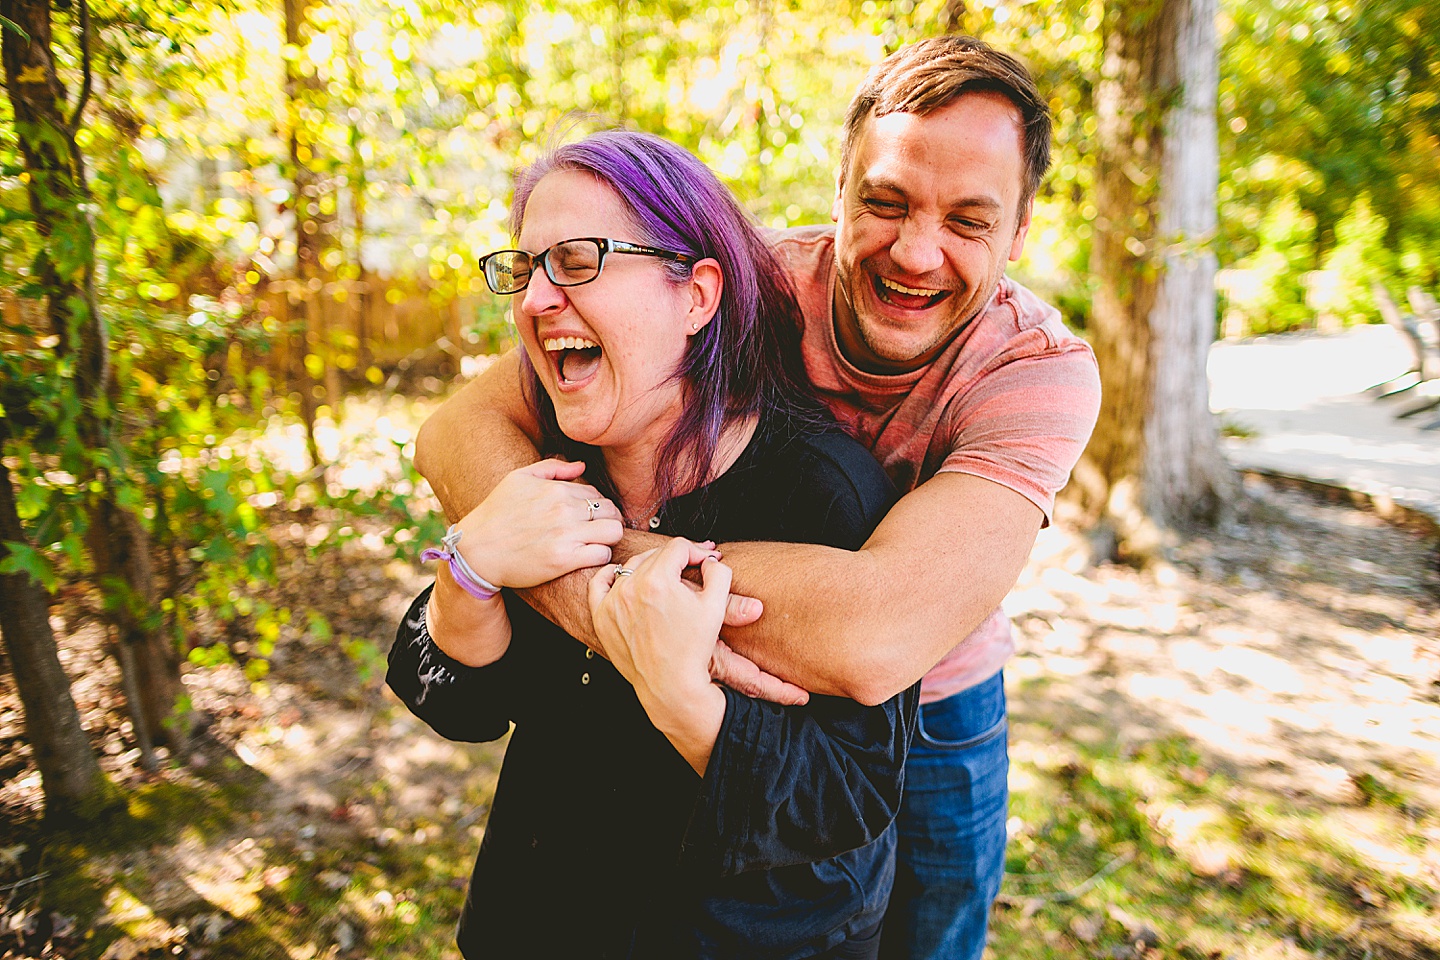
(632, 469)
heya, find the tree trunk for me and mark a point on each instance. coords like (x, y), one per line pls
(1187, 478)
(955, 18)
(65, 268)
(314, 231)
(73, 784)
(619, 54)
(149, 662)
(1154, 463)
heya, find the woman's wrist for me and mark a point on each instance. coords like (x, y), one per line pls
(469, 630)
(689, 718)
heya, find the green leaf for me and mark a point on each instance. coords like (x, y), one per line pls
(24, 558)
(319, 626)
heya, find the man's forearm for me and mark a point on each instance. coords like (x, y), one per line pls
(467, 446)
(563, 601)
(868, 624)
(476, 437)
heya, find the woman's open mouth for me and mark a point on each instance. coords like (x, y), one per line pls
(909, 298)
(576, 359)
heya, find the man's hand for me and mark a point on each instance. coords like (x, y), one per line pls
(867, 624)
(740, 674)
(562, 601)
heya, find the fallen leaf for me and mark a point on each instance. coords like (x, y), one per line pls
(345, 936)
(334, 879)
(1085, 928)
(122, 949)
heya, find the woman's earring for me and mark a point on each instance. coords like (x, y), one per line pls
(695, 327)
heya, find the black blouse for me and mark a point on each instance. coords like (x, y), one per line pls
(602, 841)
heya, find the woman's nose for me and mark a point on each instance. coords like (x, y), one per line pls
(542, 296)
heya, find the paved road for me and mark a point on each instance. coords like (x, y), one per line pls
(1303, 396)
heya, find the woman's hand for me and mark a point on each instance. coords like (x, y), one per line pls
(539, 523)
(660, 630)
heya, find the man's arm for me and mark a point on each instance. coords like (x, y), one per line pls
(864, 625)
(477, 437)
(868, 624)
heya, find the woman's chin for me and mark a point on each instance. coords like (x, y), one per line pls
(581, 429)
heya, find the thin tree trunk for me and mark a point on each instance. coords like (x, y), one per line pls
(314, 234)
(70, 776)
(59, 198)
(619, 53)
(1154, 464)
(954, 17)
(149, 662)
(56, 187)
(357, 180)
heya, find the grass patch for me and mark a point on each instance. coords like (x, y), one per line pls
(1121, 852)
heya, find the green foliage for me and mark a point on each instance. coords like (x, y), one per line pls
(1271, 297)
(1358, 259)
(1331, 109)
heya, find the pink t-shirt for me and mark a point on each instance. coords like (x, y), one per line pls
(1012, 399)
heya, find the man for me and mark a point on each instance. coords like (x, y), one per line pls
(972, 395)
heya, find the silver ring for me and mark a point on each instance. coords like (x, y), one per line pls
(622, 572)
(594, 505)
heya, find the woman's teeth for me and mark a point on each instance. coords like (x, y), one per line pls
(568, 343)
(575, 357)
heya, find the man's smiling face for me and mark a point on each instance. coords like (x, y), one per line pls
(928, 216)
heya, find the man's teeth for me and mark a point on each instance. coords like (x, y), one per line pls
(909, 291)
(569, 343)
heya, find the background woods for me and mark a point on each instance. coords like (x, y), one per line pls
(237, 261)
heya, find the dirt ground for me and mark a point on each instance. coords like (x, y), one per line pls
(1297, 651)
(1299, 646)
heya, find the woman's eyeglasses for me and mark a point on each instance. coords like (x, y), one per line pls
(568, 263)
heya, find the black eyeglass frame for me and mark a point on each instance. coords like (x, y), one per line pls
(604, 245)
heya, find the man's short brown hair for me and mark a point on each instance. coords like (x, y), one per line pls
(926, 76)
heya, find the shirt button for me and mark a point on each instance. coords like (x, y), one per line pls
(589, 654)
(654, 522)
(584, 678)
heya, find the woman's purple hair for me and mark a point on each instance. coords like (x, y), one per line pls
(747, 358)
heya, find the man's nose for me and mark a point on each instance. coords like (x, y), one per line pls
(917, 249)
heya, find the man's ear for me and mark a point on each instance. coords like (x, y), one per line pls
(705, 286)
(1022, 230)
(838, 205)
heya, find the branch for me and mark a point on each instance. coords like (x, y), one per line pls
(20, 883)
(84, 67)
(1074, 893)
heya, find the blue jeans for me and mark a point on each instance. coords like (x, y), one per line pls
(952, 828)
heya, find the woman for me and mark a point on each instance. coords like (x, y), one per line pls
(643, 811)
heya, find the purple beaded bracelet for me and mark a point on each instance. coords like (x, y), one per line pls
(465, 575)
